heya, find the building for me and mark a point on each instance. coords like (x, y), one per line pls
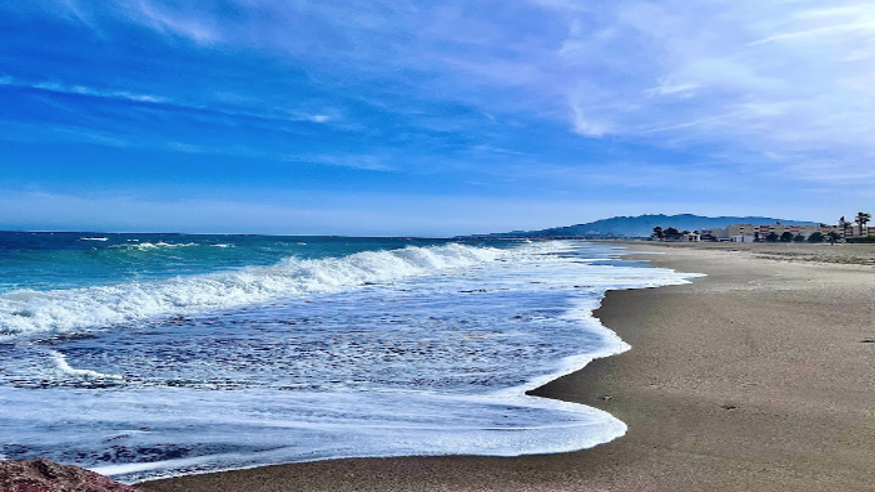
(692, 237)
(748, 233)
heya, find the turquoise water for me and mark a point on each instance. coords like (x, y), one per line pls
(144, 356)
(61, 260)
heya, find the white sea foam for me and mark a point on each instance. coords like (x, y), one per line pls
(183, 432)
(64, 367)
(147, 246)
(29, 312)
(164, 246)
(418, 351)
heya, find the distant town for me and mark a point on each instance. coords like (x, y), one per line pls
(844, 231)
(696, 228)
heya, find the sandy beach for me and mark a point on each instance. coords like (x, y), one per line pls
(758, 377)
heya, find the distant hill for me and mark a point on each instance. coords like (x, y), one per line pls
(642, 226)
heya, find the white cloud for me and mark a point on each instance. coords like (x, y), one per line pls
(216, 109)
(779, 76)
(585, 125)
(83, 91)
(820, 33)
(749, 76)
(355, 161)
(188, 24)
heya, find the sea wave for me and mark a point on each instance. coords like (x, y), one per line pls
(161, 245)
(435, 359)
(27, 312)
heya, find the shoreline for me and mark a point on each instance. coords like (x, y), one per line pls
(732, 384)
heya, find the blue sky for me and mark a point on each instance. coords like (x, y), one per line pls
(430, 118)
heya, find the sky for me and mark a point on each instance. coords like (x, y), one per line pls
(434, 118)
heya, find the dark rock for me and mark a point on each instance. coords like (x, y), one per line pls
(42, 475)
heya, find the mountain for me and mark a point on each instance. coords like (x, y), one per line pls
(642, 226)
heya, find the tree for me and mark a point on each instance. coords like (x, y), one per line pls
(772, 237)
(786, 237)
(862, 219)
(799, 238)
(843, 225)
(672, 233)
(658, 233)
(816, 237)
(833, 237)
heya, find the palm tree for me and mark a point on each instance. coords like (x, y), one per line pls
(862, 219)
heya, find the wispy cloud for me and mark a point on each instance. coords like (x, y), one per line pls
(275, 115)
(724, 71)
(735, 73)
(562, 95)
(92, 127)
(820, 33)
(188, 24)
(83, 91)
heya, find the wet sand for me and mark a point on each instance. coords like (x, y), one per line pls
(758, 377)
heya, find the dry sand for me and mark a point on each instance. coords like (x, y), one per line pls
(755, 378)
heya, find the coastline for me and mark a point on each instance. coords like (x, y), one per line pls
(753, 378)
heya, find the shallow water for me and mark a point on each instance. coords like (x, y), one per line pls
(375, 349)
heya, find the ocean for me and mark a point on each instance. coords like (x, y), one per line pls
(151, 355)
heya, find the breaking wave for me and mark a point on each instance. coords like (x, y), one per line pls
(161, 245)
(28, 312)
